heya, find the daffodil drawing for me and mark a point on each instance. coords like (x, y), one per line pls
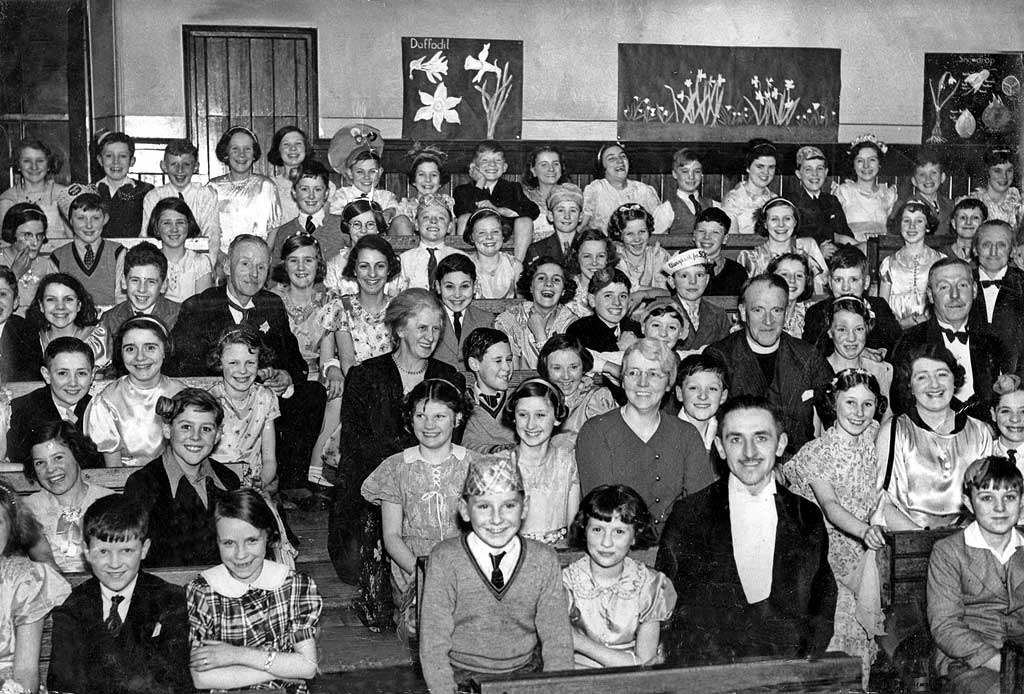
(493, 100)
(433, 68)
(439, 107)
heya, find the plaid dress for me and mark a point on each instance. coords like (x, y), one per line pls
(266, 619)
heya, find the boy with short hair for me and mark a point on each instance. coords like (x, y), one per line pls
(123, 195)
(68, 372)
(93, 261)
(122, 631)
(145, 281)
(454, 282)
(968, 215)
(689, 274)
(433, 224)
(565, 212)
(678, 214)
(493, 602)
(970, 625)
(927, 181)
(488, 355)
(505, 197)
(710, 231)
(309, 191)
(821, 214)
(701, 388)
(180, 164)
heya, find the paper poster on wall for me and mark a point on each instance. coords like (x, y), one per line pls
(972, 98)
(462, 89)
(722, 93)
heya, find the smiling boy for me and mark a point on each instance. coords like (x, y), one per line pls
(709, 235)
(180, 164)
(489, 356)
(123, 195)
(433, 224)
(493, 602)
(309, 191)
(454, 283)
(145, 281)
(122, 631)
(678, 214)
(821, 214)
(565, 212)
(928, 179)
(93, 261)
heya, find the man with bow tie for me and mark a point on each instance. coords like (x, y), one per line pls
(748, 558)
(999, 298)
(953, 324)
(204, 317)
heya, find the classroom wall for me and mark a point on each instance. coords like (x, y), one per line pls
(569, 51)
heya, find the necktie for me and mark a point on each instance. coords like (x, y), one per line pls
(985, 284)
(310, 227)
(1012, 455)
(113, 621)
(90, 255)
(955, 335)
(181, 196)
(696, 205)
(244, 311)
(457, 321)
(491, 403)
(497, 578)
(431, 265)
(566, 247)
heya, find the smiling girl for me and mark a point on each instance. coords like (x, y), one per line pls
(612, 188)
(742, 202)
(535, 410)
(630, 226)
(616, 604)
(61, 308)
(545, 172)
(529, 325)
(590, 251)
(795, 269)
(903, 275)
(777, 221)
(24, 228)
(1001, 198)
(497, 271)
(427, 177)
(850, 322)
(122, 420)
(566, 363)
(289, 148)
(188, 273)
(36, 165)
(1008, 415)
(866, 202)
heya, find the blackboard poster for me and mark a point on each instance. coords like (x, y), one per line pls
(972, 98)
(462, 89)
(722, 93)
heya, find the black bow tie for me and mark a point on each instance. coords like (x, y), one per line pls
(955, 335)
(985, 284)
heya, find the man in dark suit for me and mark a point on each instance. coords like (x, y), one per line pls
(821, 214)
(765, 361)
(122, 631)
(68, 371)
(20, 355)
(999, 288)
(951, 293)
(748, 558)
(455, 279)
(204, 318)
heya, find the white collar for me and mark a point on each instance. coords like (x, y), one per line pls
(412, 454)
(739, 492)
(249, 303)
(125, 592)
(761, 349)
(271, 577)
(481, 548)
(974, 538)
(948, 326)
(983, 274)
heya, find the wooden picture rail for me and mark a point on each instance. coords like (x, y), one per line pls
(831, 674)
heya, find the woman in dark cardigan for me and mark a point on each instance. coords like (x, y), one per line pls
(371, 409)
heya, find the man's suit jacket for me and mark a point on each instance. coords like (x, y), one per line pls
(329, 235)
(988, 360)
(505, 194)
(713, 620)
(548, 246)
(149, 655)
(164, 309)
(180, 535)
(969, 626)
(33, 410)
(800, 372)
(820, 219)
(202, 319)
(449, 349)
(1007, 322)
(20, 353)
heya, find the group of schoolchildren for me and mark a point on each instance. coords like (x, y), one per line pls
(593, 280)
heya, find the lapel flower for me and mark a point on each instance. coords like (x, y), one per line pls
(265, 328)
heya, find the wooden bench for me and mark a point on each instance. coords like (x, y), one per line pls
(113, 478)
(903, 565)
(19, 388)
(831, 674)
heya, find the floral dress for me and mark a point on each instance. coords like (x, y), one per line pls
(241, 439)
(584, 403)
(742, 205)
(579, 305)
(851, 468)
(611, 615)
(429, 496)
(499, 283)
(309, 323)
(908, 277)
(645, 273)
(1010, 209)
(28, 591)
(866, 213)
(370, 335)
(514, 322)
(548, 485)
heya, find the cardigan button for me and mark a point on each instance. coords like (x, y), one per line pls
(657, 478)
(657, 501)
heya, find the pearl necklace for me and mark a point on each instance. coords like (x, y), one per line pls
(407, 372)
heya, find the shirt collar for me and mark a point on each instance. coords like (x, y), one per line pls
(175, 472)
(974, 538)
(983, 274)
(738, 491)
(125, 592)
(947, 326)
(317, 217)
(412, 454)
(481, 548)
(66, 413)
(712, 430)
(272, 577)
(761, 349)
(248, 303)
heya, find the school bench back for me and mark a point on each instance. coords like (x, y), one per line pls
(19, 388)
(903, 565)
(831, 674)
(113, 478)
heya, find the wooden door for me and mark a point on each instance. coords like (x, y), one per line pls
(261, 78)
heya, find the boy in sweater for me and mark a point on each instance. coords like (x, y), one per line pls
(491, 597)
(488, 355)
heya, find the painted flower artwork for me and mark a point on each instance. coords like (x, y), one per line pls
(971, 98)
(721, 93)
(462, 89)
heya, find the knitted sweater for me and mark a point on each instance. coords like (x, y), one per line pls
(466, 623)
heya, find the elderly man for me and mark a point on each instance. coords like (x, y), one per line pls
(748, 558)
(999, 287)
(951, 293)
(243, 300)
(765, 361)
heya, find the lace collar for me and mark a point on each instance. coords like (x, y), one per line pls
(633, 578)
